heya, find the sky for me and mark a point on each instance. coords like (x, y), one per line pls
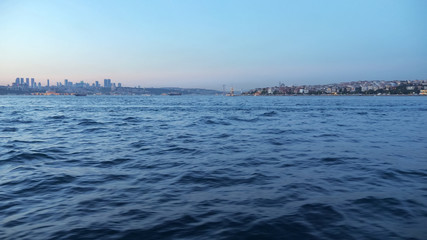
(207, 44)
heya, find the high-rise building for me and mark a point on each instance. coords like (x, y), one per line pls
(32, 82)
(27, 82)
(48, 82)
(107, 83)
(22, 81)
(17, 81)
(66, 82)
(96, 84)
(119, 85)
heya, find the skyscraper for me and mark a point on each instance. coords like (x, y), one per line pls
(107, 83)
(48, 83)
(32, 82)
(27, 82)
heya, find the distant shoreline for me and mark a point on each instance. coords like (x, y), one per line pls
(371, 88)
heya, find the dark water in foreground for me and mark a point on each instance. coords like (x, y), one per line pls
(213, 167)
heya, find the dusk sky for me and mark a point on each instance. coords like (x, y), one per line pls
(205, 44)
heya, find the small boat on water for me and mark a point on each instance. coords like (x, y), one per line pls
(80, 94)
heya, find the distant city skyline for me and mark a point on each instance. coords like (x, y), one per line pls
(208, 44)
(20, 82)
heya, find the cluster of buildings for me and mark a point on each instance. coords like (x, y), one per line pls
(21, 83)
(25, 83)
(379, 87)
(29, 86)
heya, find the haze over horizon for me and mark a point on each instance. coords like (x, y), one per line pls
(205, 44)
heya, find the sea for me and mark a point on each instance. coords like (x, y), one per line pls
(213, 167)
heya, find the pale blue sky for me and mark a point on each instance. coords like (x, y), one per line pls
(200, 43)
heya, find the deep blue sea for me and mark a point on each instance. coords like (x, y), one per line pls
(213, 167)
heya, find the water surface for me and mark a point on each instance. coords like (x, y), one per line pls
(198, 167)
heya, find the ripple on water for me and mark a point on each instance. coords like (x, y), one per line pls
(215, 180)
(378, 208)
(10, 129)
(57, 117)
(88, 122)
(132, 119)
(269, 114)
(28, 156)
